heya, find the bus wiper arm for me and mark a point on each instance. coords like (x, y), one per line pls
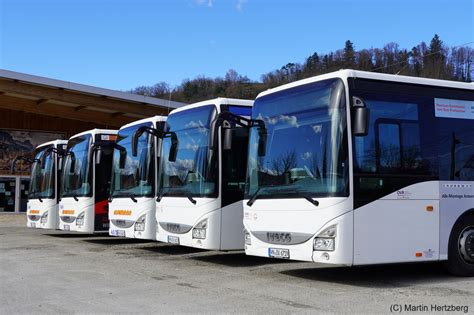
(161, 193)
(39, 198)
(75, 197)
(253, 197)
(190, 198)
(132, 196)
(310, 199)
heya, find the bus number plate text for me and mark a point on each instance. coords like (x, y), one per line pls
(279, 253)
(173, 239)
(120, 233)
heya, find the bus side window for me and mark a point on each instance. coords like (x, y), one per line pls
(388, 146)
(390, 156)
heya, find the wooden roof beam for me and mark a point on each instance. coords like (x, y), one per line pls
(41, 101)
(54, 110)
(78, 108)
(43, 92)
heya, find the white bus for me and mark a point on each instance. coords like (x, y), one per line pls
(356, 168)
(199, 203)
(85, 182)
(133, 187)
(43, 194)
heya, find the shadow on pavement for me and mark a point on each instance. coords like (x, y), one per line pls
(169, 249)
(70, 235)
(101, 240)
(238, 259)
(379, 276)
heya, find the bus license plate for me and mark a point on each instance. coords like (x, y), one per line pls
(66, 227)
(120, 233)
(173, 239)
(33, 225)
(279, 253)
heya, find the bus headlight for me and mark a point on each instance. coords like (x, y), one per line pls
(80, 219)
(44, 217)
(140, 224)
(248, 240)
(326, 240)
(199, 231)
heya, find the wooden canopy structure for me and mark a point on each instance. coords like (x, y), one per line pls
(38, 103)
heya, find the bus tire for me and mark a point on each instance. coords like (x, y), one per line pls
(461, 247)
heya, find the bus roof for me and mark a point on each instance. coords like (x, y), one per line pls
(144, 120)
(348, 73)
(216, 101)
(54, 143)
(96, 131)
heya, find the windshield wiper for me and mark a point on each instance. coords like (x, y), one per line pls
(253, 197)
(190, 197)
(132, 196)
(299, 194)
(75, 197)
(309, 198)
(33, 196)
(161, 193)
(187, 194)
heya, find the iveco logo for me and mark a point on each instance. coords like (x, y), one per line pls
(172, 227)
(278, 237)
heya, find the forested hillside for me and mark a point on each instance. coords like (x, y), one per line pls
(435, 60)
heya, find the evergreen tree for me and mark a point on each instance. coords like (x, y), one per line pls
(349, 57)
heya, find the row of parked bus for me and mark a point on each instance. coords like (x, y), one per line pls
(346, 168)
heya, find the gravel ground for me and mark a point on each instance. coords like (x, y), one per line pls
(44, 271)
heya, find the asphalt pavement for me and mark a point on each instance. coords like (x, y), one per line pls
(45, 271)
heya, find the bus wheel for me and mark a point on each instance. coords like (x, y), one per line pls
(461, 248)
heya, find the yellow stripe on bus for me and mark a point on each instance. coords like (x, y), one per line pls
(123, 212)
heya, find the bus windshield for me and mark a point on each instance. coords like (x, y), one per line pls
(137, 177)
(306, 148)
(42, 182)
(76, 177)
(193, 174)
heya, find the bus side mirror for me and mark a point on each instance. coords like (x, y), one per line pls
(122, 159)
(42, 161)
(360, 121)
(262, 141)
(135, 137)
(227, 141)
(174, 147)
(73, 163)
(98, 155)
(211, 135)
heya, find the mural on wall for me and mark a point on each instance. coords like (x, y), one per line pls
(14, 143)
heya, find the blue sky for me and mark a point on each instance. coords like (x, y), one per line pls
(122, 44)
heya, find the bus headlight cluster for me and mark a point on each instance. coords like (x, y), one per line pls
(44, 217)
(248, 240)
(199, 231)
(140, 224)
(80, 219)
(326, 240)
